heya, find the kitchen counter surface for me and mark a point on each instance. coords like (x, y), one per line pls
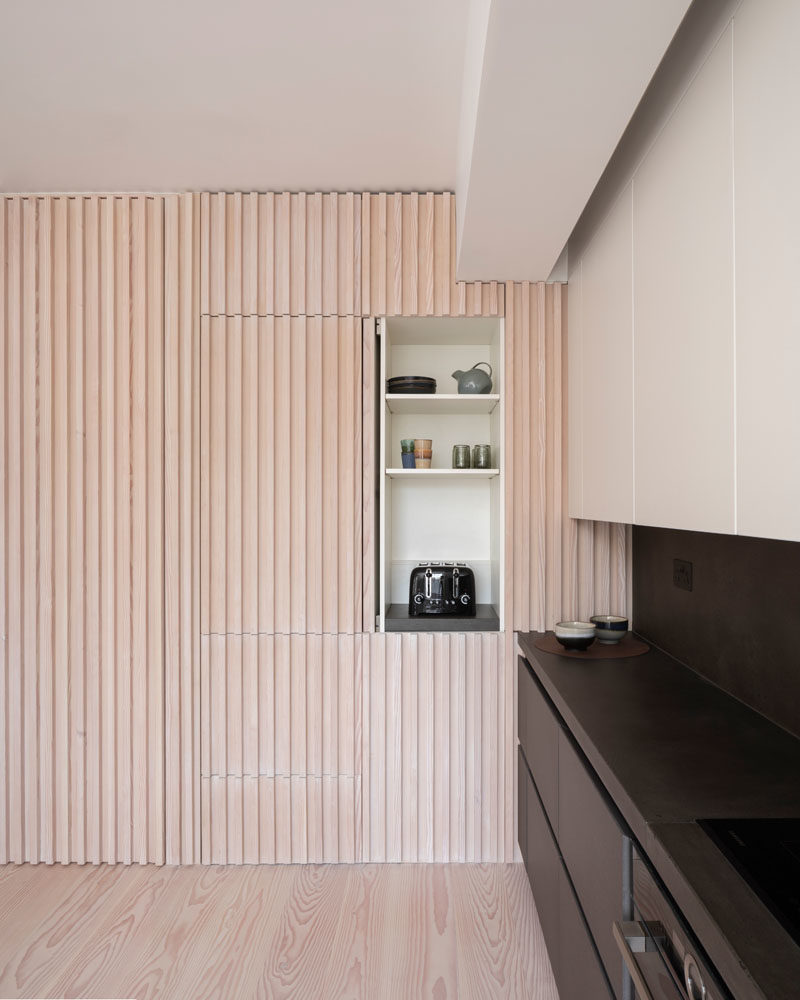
(671, 748)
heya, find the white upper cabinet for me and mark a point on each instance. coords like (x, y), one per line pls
(683, 311)
(703, 377)
(766, 88)
(607, 369)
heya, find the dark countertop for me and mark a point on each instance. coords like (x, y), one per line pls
(672, 748)
(399, 620)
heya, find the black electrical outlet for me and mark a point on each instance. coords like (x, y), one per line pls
(682, 573)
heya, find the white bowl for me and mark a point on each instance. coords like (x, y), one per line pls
(575, 630)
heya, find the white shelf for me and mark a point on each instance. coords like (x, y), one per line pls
(441, 403)
(442, 473)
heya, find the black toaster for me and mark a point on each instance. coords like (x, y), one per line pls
(444, 588)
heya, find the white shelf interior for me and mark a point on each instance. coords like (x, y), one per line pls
(442, 473)
(441, 513)
(442, 403)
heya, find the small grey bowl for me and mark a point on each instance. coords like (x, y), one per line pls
(609, 629)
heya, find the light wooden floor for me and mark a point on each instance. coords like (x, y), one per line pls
(372, 931)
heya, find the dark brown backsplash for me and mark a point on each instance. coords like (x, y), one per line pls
(740, 624)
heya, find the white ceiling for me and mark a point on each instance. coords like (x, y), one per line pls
(514, 104)
(165, 95)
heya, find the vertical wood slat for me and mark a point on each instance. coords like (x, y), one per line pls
(181, 528)
(280, 254)
(559, 568)
(81, 517)
(297, 799)
(122, 579)
(435, 745)
(30, 694)
(408, 260)
(281, 475)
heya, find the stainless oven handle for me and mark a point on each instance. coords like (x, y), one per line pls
(623, 932)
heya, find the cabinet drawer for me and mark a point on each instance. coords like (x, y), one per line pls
(541, 858)
(591, 844)
(580, 974)
(538, 737)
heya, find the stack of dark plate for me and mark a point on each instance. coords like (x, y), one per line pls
(407, 385)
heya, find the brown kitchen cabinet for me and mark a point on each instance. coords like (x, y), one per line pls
(573, 849)
(576, 965)
(538, 737)
(592, 846)
(542, 861)
(579, 974)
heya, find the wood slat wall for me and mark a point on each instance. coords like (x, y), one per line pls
(408, 260)
(185, 503)
(282, 762)
(557, 568)
(280, 254)
(435, 750)
(281, 481)
(82, 529)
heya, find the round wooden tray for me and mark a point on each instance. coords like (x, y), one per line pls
(629, 646)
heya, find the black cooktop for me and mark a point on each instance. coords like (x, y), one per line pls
(766, 852)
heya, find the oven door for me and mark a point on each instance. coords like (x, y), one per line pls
(659, 951)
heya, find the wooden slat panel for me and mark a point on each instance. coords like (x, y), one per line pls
(557, 567)
(82, 568)
(280, 254)
(281, 477)
(408, 260)
(281, 777)
(437, 748)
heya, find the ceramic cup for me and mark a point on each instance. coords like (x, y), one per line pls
(422, 452)
(407, 446)
(461, 457)
(482, 456)
(408, 460)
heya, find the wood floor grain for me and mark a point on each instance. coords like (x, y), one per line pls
(344, 932)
